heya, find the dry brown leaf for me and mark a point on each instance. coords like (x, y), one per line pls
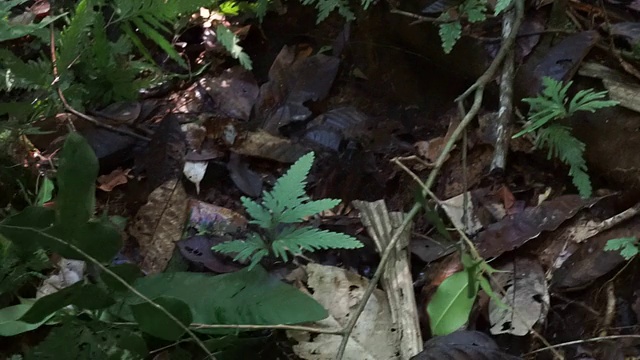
(339, 291)
(158, 225)
(115, 178)
(430, 150)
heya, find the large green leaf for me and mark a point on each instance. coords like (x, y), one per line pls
(127, 272)
(97, 238)
(157, 323)
(32, 228)
(95, 340)
(450, 306)
(19, 228)
(243, 297)
(85, 296)
(9, 323)
(76, 176)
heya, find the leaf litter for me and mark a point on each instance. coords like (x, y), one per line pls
(246, 132)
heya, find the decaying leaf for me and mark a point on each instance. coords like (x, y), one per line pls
(158, 225)
(462, 345)
(515, 230)
(331, 128)
(621, 88)
(430, 150)
(234, 92)
(462, 217)
(590, 261)
(339, 291)
(560, 63)
(123, 112)
(115, 178)
(247, 180)
(526, 297)
(294, 78)
(264, 145)
(197, 249)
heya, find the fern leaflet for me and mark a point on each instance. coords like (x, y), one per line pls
(288, 192)
(563, 145)
(325, 7)
(627, 246)
(261, 216)
(449, 32)
(230, 42)
(589, 100)
(474, 9)
(310, 239)
(502, 5)
(252, 248)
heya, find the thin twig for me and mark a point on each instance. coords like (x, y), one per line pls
(478, 87)
(121, 281)
(69, 108)
(497, 61)
(198, 326)
(310, 329)
(419, 18)
(578, 342)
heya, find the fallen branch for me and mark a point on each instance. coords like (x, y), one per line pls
(505, 111)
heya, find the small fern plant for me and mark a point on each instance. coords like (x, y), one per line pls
(472, 10)
(281, 209)
(546, 110)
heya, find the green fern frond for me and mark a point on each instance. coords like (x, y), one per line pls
(230, 42)
(296, 240)
(551, 105)
(261, 9)
(299, 212)
(252, 248)
(589, 100)
(326, 7)
(563, 145)
(152, 16)
(627, 246)
(502, 5)
(72, 42)
(16, 74)
(474, 9)
(288, 192)
(261, 216)
(554, 90)
(286, 203)
(449, 32)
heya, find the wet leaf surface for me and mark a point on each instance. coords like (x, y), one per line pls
(247, 180)
(515, 230)
(234, 92)
(591, 261)
(463, 345)
(294, 78)
(197, 249)
(560, 63)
